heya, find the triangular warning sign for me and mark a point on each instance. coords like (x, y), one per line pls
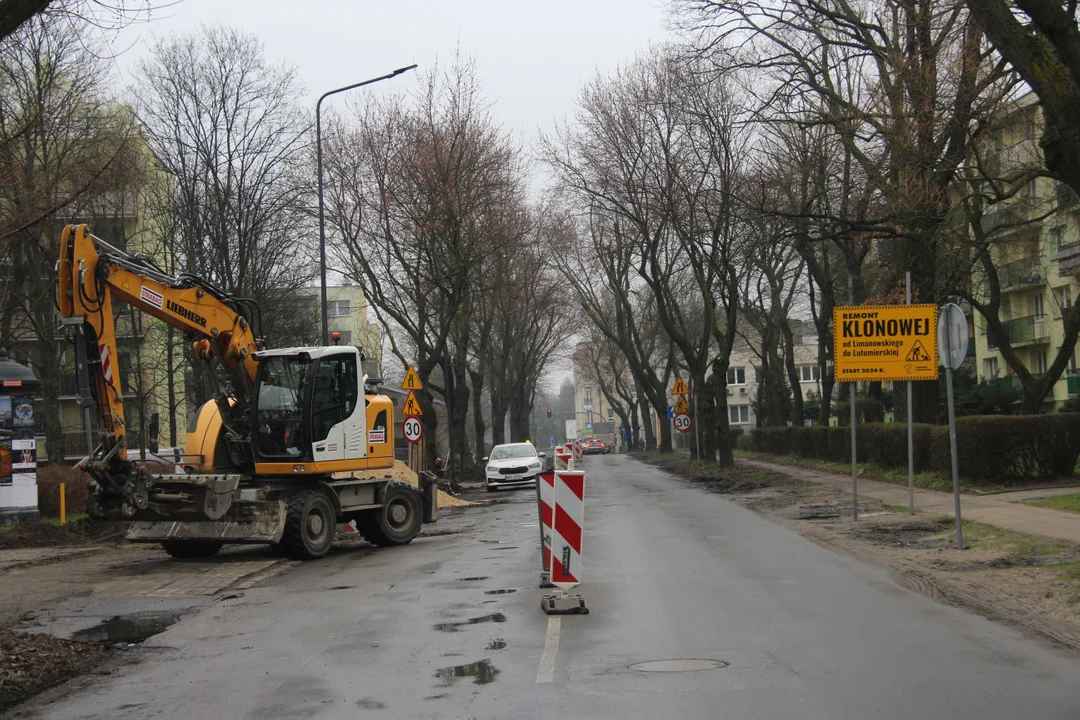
(412, 380)
(412, 407)
(918, 353)
(681, 406)
(680, 388)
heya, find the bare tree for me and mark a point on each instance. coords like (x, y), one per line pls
(419, 194)
(64, 144)
(226, 127)
(904, 84)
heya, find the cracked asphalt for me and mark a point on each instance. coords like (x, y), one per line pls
(450, 627)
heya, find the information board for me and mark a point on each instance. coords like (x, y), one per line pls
(885, 342)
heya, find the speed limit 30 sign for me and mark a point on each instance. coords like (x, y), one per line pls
(682, 422)
(412, 429)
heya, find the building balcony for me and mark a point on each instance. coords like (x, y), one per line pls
(1021, 274)
(1030, 330)
(1069, 259)
(1073, 383)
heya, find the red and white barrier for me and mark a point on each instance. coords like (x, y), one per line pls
(579, 449)
(569, 518)
(546, 499)
(564, 454)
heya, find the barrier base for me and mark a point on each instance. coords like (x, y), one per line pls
(545, 580)
(563, 604)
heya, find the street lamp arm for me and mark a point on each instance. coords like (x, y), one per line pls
(327, 94)
(318, 164)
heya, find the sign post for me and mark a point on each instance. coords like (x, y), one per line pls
(882, 342)
(952, 346)
(412, 427)
(910, 422)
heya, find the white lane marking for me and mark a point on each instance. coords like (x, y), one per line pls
(551, 649)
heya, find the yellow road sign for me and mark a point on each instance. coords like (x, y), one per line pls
(412, 380)
(885, 342)
(681, 406)
(412, 406)
(680, 388)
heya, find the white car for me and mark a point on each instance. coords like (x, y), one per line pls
(513, 465)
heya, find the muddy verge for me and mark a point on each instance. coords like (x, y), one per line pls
(79, 532)
(1028, 582)
(32, 663)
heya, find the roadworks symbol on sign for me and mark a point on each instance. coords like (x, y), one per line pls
(412, 380)
(680, 388)
(918, 353)
(681, 406)
(412, 407)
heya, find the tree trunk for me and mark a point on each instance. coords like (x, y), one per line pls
(724, 455)
(498, 417)
(519, 416)
(460, 417)
(170, 384)
(646, 420)
(793, 375)
(479, 428)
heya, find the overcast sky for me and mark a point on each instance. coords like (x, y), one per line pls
(532, 57)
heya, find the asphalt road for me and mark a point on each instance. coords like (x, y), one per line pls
(672, 573)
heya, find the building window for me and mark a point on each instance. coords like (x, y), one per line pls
(999, 140)
(1038, 305)
(736, 376)
(588, 396)
(1040, 362)
(338, 308)
(1064, 297)
(1055, 237)
(808, 373)
(991, 368)
(1071, 370)
(611, 413)
(739, 413)
(1032, 192)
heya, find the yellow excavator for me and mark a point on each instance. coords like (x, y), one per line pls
(270, 459)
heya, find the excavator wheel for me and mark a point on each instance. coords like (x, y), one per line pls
(187, 549)
(399, 519)
(310, 524)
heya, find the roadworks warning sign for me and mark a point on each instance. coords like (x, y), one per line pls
(885, 342)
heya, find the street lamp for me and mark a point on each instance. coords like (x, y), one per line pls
(318, 162)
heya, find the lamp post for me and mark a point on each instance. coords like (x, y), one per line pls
(318, 162)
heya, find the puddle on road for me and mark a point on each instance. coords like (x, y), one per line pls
(496, 644)
(369, 704)
(452, 627)
(504, 591)
(474, 579)
(482, 671)
(121, 629)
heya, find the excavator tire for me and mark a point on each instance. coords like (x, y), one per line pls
(310, 524)
(399, 519)
(187, 549)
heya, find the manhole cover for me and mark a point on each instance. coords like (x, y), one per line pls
(678, 665)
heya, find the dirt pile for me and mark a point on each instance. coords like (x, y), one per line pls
(79, 532)
(32, 663)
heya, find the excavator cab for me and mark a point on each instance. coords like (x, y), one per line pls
(310, 408)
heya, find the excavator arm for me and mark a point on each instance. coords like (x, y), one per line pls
(91, 274)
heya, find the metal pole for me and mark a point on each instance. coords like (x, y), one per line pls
(952, 443)
(854, 452)
(697, 426)
(318, 170)
(910, 428)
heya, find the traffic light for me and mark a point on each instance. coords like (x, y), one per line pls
(549, 412)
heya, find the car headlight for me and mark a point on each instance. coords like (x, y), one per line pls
(535, 464)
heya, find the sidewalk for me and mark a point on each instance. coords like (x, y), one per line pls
(990, 509)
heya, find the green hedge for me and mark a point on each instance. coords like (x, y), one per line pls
(1010, 448)
(991, 449)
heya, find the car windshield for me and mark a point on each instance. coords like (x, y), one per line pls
(504, 452)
